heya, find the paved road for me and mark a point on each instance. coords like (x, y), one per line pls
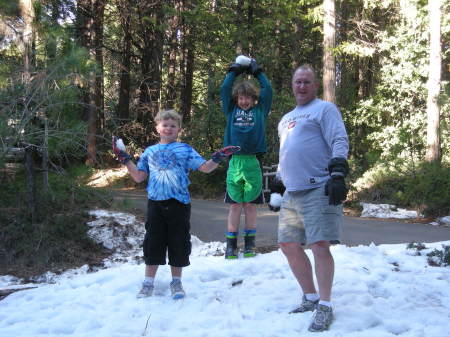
(208, 223)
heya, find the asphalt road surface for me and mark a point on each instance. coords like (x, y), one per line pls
(209, 218)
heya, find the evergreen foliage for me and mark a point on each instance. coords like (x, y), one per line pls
(174, 54)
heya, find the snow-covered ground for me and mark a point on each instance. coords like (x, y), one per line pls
(379, 291)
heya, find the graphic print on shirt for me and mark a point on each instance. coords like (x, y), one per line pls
(290, 123)
(244, 118)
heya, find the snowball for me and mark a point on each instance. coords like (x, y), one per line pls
(243, 60)
(120, 145)
(275, 199)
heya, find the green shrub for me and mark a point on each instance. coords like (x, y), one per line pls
(425, 187)
(57, 238)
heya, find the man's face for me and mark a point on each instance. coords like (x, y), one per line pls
(168, 130)
(304, 86)
(245, 102)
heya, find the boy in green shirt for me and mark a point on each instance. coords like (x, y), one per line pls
(246, 113)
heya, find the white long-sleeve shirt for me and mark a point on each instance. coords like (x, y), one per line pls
(310, 135)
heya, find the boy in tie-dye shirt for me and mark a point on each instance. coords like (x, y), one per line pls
(166, 165)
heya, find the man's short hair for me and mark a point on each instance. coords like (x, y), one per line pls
(168, 114)
(306, 67)
(245, 88)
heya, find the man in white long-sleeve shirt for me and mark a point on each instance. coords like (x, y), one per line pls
(312, 167)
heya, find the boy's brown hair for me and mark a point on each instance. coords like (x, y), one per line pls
(168, 114)
(245, 88)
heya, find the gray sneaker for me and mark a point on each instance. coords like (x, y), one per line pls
(176, 289)
(305, 306)
(146, 290)
(323, 316)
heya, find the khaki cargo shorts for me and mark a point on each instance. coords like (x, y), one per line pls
(306, 217)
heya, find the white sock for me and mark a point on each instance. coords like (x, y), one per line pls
(327, 303)
(149, 280)
(175, 278)
(312, 297)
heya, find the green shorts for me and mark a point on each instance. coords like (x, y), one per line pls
(244, 178)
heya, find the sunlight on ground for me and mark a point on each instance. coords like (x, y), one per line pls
(106, 177)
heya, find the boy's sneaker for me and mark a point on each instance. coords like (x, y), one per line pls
(323, 316)
(176, 289)
(146, 290)
(305, 306)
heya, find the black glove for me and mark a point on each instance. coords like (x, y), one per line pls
(276, 194)
(237, 68)
(335, 188)
(254, 68)
(338, 166)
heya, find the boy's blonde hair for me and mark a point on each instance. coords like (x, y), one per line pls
(168, 114)
(245, 88)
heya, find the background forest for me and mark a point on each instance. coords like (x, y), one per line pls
(73, 73)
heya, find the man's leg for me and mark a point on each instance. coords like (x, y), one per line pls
(300, 265)
(324, 268)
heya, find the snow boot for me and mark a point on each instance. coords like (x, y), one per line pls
(231, 251)
(249, 243)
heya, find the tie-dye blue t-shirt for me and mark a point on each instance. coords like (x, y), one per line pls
(167, 166)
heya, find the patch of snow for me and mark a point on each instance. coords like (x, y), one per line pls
(386, 211)
(444, 220)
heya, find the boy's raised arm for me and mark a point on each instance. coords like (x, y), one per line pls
(119, 149)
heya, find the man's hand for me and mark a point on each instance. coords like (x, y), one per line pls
(336, 190)
(119, 149)
(276, 194)
(223, 153)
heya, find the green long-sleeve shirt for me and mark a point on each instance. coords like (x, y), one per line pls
(246, 128)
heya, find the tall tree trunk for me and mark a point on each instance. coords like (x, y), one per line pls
(239, 25)
(83, 36)
(44, 165)
(298, 36)
(95, 80)
(329, 63)
(99, 11)
(123, 109)
(188, 68)
(27, 13)
(211, 88)
(151, 63)
(174, 22)
(50, 44)
(434, 82)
